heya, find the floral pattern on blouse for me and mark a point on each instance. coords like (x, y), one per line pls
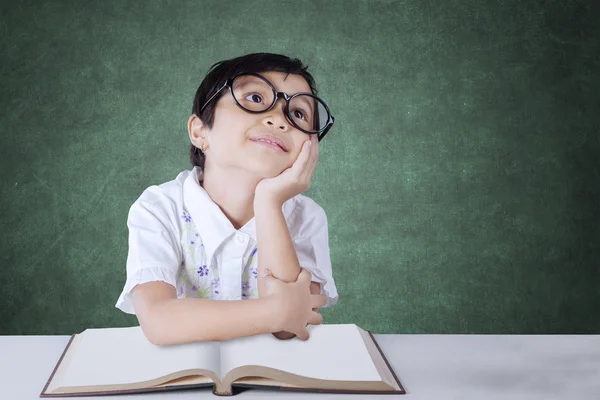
(195, 279)
(249, 278)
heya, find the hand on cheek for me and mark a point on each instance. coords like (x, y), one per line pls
(293, 180)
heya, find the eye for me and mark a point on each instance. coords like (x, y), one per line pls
(301, 112)
(254, 95)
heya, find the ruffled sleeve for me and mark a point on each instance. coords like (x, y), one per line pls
(154, 253)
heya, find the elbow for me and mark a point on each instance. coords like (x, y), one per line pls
(282, 335)
(152, 327)
(152, 303)
(287, 275)
(155, 340)
(160, 330)
(152, 332)
(154, 337)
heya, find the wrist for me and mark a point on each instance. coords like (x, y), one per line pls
(272, 313)
(264, 202)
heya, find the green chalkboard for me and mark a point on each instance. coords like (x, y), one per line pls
(461, 179)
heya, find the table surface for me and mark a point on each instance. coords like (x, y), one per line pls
(482, 367)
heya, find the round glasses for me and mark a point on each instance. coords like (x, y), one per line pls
(253, 93)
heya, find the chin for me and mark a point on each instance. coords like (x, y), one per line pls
(263, 170)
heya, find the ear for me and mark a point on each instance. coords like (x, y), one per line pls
(196, 130)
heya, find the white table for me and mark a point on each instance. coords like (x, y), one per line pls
(481, 367)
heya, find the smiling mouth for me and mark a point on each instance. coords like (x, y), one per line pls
(270, 145)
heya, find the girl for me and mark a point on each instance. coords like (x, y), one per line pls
(236, 227)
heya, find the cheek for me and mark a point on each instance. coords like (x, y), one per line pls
(230, 144)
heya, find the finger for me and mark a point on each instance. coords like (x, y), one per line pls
(315, 318)
(302, 333)
(312, 162)
(308, 172)
(302, 160)
(316, 149)
(319, 300)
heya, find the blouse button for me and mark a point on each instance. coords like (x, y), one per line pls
(240, 238)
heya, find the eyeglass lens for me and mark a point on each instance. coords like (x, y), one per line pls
(254, 94)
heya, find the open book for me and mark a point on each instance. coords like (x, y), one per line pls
(337, 358)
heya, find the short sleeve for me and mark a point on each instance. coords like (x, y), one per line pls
(312, 248)
(154, 252)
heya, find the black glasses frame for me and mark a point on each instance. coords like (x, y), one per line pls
(277, 95)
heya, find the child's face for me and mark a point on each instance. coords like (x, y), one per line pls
(229, 141)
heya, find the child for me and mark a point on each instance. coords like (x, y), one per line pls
(236, 227)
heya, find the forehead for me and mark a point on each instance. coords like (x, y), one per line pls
(289, 84)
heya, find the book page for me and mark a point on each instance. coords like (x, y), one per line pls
(332, 352)
(124, 355)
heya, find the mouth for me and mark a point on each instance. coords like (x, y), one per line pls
(271, 142)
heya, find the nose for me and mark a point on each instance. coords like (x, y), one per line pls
(281, 101)
(277, 114)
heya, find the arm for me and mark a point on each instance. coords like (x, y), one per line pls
(166, 320)
(277, 251)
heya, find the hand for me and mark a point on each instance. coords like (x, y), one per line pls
(293, 304)
(283, 335)
(293, 180)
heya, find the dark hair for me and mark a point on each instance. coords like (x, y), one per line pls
(220, 71)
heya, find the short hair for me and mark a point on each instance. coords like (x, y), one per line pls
(220, 71)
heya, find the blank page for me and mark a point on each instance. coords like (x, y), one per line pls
(124, 355)
(332, 352)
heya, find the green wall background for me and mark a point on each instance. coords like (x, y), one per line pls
(461, 179)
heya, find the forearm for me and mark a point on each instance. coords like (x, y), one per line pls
(176, 321)
(276, 250)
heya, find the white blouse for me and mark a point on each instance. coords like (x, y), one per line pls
(179, 235)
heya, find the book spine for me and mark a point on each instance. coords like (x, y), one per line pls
(222, 390)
